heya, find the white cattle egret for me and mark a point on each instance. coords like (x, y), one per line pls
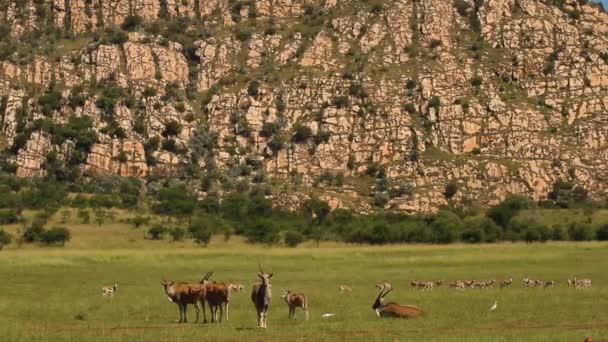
(494, 306)
(327, 315)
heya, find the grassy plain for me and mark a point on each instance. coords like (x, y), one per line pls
(54, 294)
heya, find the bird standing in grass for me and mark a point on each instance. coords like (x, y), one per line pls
(494, 306)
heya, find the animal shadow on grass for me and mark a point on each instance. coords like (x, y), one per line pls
(244, 329)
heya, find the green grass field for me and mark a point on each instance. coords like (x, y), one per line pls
(54, 294)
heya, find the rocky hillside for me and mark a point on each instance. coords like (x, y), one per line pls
(407, 104)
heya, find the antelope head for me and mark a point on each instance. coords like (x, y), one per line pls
(166, 285)
(206, 277)
(265, 277)
(379, 303)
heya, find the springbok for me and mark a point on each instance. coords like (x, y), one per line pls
(183, 294)
(217, 296)
(109, 290)
(484, 284)
(439, 282)
(393, 309)
(423, 285)
(458, 284)
(549, 283)
(344, 288)
(506, 283)
(383, 285)
(580, 283)
(236, 287)
(295, 300)
(532, 283)
(261, 297)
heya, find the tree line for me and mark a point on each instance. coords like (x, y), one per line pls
(248, 211)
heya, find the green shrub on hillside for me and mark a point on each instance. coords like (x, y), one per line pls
(157, 232)
(55, 236)
(5, 238)
(293, 238)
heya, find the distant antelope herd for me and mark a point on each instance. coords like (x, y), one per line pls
(217, 295)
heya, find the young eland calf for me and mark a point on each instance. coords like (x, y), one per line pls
(295, 300)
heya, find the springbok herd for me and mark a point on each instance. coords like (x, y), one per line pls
(527, 282)
(217, 295)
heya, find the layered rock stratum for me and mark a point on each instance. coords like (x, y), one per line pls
(494, 96)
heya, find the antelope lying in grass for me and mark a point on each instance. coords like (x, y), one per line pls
(579, 283)
(458, 284)
(393, 309)
(383, 285)
(236, 287)
(183, 294)
(467, 283)
(423, 285)
(217, 296)
(344, 288)
(295, 300)
(549, 283)
(484, 284)
(109, 290)
(532, 283)
(439, 282)
(506, 283)
(261, 297)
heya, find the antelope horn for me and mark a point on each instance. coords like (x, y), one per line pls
(260, 267)
(389, 290)
(380, 294)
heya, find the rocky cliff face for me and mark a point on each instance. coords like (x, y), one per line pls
(490, 96)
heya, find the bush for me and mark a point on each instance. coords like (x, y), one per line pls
(559, 234)
(580, 232)
(262, 231)
(139, 221)
(340, 101)
(602, 233)
(200, 232)
(480, 229)
(473, 235)
(56, 235)
(435, 102)
(116, 36)
(177, 233)
(157, 232)
(33, 232)
(84, 216)
(316, 210)
(302, 134)
(531, 235)
(202, 236)
(445, 227)
(462, 7)
(172, 129)
(450, 189)
(8, 216)
(5, 238)
(253, 89)
(293, 238)
(476, 81)
(269, 129)
(50, 101)
(381, 199)
(131, 23)
(502, 213)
